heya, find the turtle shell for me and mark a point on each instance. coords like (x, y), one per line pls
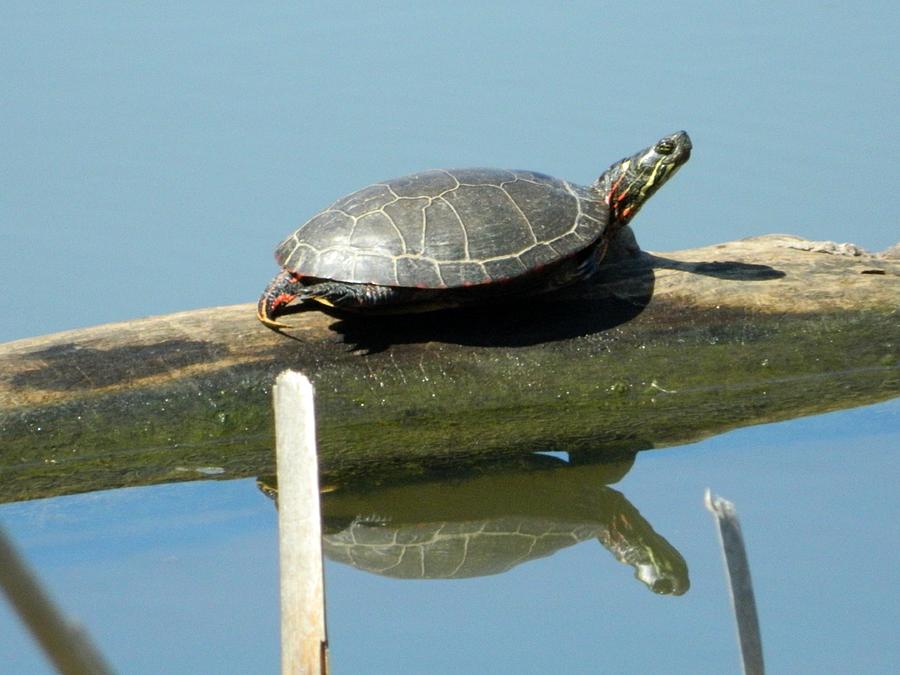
(452, 550)
(447, 229)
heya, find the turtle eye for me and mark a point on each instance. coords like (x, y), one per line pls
(665, 147)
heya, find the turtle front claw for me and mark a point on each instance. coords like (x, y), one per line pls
(278, 294)
(269, 322)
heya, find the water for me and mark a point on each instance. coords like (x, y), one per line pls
(154, 156)
(184, 578)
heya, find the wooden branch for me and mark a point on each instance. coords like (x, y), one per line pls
(304, 643)
(660, 350)
(65, 643)
(743, 601)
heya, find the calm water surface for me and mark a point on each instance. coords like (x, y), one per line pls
(183, 578)
(154, 156)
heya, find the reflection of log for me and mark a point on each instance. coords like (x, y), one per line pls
(687, 346)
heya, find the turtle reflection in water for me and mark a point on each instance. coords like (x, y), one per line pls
(489, 522)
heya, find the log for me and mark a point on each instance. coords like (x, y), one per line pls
(660, 350)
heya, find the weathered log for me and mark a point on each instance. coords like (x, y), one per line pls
(660, 350)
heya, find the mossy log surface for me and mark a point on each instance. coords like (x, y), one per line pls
(661, 350)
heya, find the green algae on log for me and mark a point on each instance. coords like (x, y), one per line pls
(661, 350)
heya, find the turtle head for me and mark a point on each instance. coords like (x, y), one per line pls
(629, 183)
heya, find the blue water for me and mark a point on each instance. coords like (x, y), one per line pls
(183, 578)
(154, 154)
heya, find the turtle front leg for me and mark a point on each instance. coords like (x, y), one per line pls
(288, 287)
(351, 296)
(281, 291)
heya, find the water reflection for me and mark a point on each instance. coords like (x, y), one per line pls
(487, 519)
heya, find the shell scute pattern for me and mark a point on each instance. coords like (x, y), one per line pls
(423, 184)
(443, 231)
(408, 216)
(423, 271)
(376, 232)
(538, 256)
(463, 274)
(364, 201)
(446, 228)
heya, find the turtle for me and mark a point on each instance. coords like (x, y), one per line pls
(452, 237)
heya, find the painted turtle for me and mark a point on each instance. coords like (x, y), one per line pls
(447, 238)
